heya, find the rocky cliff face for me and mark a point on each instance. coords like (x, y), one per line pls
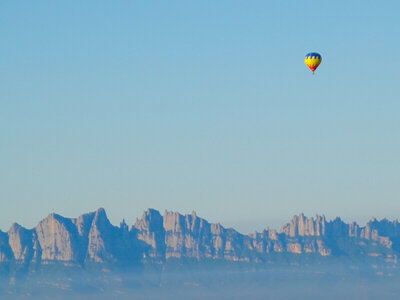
(23, 243)
(191, 236)
(151, 233)
(91, 238)
(58, 239)
(302, 226)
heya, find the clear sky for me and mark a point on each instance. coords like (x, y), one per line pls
(202, 106)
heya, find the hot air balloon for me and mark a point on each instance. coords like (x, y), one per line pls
(313, 60)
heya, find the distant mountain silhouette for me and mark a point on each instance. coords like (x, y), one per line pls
(155, 238)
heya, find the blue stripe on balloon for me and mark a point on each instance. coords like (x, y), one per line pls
(313, 54)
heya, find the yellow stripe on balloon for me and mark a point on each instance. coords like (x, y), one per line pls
(312, 61)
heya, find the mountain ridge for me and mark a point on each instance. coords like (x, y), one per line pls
(155, 238)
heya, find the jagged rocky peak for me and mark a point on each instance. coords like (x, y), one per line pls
(217, 228)
(383, 227)
(155, 238)
(57, 237)
(151, 220)
(383, 232)
(175, 222)
(337, 228)
(267, 233)
(100, 241)
(150, 231)
(83, 223)
(100, 222)
(303, 226)
(21, 241)
(191, 236)
(100, 217)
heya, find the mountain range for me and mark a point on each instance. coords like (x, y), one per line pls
(156, 238)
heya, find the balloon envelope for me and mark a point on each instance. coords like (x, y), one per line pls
(313, 60)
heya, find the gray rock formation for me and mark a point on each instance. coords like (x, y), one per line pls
(22, 243)
(100, 240)
(91, 238)
(150, 231)
(58, 239)
(302, 226)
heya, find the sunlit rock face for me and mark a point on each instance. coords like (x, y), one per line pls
(302, 226)
(22, 242)
(150, 232)
(58, 240)
(100, 238)
(155, 238)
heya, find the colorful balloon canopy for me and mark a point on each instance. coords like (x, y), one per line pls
(313, 60)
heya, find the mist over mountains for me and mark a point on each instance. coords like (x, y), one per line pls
(156, 238)
(90, 255)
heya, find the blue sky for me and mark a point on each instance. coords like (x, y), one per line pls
(199, 106)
